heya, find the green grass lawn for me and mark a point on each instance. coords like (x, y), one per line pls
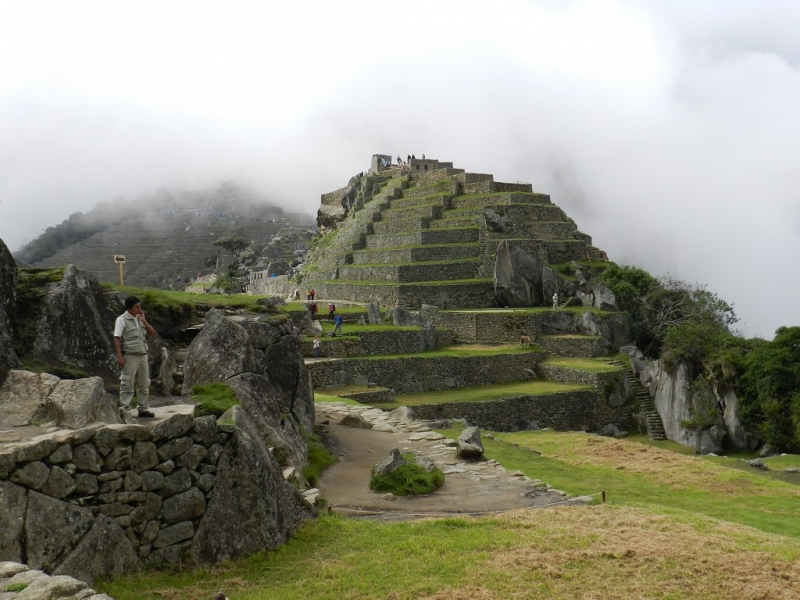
(581, 364)
(674, 527)
(484, 393)
(319, 397)
(656, 476)
(462, 350)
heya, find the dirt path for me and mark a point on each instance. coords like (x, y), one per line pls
(478, 487)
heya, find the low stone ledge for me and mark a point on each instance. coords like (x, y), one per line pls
(565, 411)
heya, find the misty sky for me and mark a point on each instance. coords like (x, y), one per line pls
(667, 130)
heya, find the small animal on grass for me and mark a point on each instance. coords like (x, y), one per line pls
(524, 341)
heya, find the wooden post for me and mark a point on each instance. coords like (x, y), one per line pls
(119, 259)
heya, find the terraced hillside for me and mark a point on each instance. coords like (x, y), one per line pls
(429, 236)
(416, 237)
(164, 235)
(560, 381)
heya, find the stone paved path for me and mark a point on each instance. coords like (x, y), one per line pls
(479, 487)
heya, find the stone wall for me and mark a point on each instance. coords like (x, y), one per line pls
(566, 411)
(410, 273)
(477, 295)
(574, 345)
(508, 324)
(410, 375)
(280, 285)
(100, 501)
(418, 254)
(388, 341)
(425, 236)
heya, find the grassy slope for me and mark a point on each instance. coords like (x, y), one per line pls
(675, 527)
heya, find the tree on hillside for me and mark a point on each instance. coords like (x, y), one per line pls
(770, 389)
(670, 314)
(234, 243)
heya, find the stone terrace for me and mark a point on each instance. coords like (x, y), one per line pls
(428, 235)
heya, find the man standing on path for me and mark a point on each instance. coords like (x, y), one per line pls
(555, 301)
(130, 332)
(316, 347)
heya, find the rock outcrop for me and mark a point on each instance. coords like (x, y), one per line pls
(8, 298)
(19, 581)
(36, 398)
(517, 277)
(714, 416)
(76, 325)
(262, 362)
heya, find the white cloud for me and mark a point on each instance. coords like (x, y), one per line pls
(667, 130)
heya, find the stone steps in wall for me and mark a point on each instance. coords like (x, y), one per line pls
(414, 254)
(655, 425)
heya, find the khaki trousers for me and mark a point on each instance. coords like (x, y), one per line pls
(135, 377)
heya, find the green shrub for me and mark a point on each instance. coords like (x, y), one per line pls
(319, 459)
(408, 479)
(16, 587)
(214, 398)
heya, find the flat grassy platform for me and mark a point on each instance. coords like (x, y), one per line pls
(484, 393)
(579, 364)
(461, 350)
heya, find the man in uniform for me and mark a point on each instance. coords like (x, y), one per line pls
(130, 345)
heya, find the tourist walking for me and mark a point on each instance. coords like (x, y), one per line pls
(555, 301)
(317, 344)
(331, 310)
(337, 328)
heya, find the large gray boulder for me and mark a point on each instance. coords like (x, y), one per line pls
(468, 444)
(221, 350)
(36, 398)
(77, 324)
(8, 299)
(262, 402)
(389, 463)
(251, 507)
(402, 317)
(373, 313)
(334, 206)
(739, 435)
(517, 276)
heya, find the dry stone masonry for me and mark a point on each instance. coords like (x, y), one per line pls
(103, 500)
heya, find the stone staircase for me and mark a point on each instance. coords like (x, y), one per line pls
(647, 408)
(429, 237)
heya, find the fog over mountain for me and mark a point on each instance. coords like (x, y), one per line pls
(666, 130)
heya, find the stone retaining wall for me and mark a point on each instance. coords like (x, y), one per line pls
(101, 501)
(419, 254)
(425, 236)
(444, 295)
(570, 345)
(411, 273)
(388, 341)
(400, 225)
(566, 411)
(139, 492)
(421, 374)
